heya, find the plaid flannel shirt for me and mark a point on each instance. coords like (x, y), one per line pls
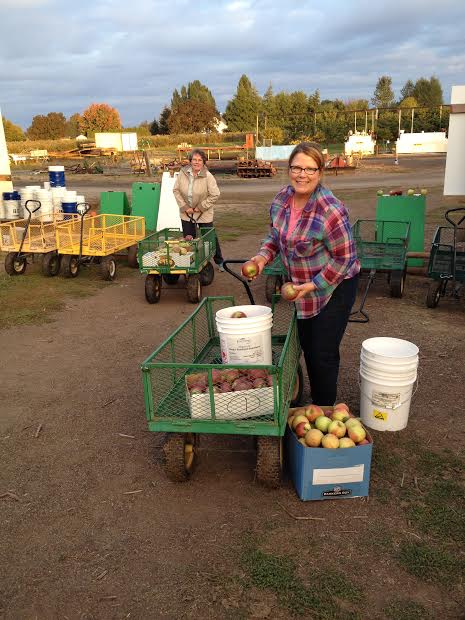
(320, 249)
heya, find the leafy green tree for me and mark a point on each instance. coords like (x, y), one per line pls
(192, 116)
(428, 92)
(383, 96)
(100, 117)
(72, 128)
(241, 111)
(408, 102)
(331, 121)
(407, 90)
(47, 127)
(13, 133)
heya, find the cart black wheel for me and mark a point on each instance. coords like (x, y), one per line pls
(171, 278)
(434, 293)
(273, 286)
(298, 388)
(180, 457)
(269, 461)
(108, 267)
(132, 256)
(152, 288)
(70, 266)
(15, 266)
(194, 289)
(51, 263)
(207, 274)
(397, 283)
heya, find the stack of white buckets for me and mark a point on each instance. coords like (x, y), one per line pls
(388, 372)
(245, 340)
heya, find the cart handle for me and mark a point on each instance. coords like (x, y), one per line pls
(33, 210)
(455, 224)
(81, 232)
(84, 211)
(26, 228)
(239, 261)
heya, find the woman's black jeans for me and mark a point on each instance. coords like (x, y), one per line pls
(188, 228)
(320, 337)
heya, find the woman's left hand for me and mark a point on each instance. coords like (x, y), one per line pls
(304, 289)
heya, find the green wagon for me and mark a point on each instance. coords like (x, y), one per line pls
(275, 278)
(195, 348)
(160, 257)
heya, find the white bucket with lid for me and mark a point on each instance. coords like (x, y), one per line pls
(245, 340)
(388, 372)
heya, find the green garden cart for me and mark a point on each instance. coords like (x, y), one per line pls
(193, 351)
(275, 278)
(166, 255)
(447, 258)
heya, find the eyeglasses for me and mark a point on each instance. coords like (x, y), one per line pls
(308, 171)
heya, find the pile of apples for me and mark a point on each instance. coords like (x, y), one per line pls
(332, 428)
(182, 246)
(229, 380)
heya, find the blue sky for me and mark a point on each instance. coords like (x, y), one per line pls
(60, 56)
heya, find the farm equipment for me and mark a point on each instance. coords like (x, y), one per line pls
(381, 247)
(96, 239)
(166, 255)
(193, 348)
(254, 168)
(25, 238)
(447, 258)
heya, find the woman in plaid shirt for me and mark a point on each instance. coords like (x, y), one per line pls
(310, 229)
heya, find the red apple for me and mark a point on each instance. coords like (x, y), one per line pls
(357, 433)
(341, 406)
(364, 442)
(313, 412)
(288, 291)
(298, 419)
(259, 383)
(250, 269)
(313, 438)
(238, 315)
(302, 429)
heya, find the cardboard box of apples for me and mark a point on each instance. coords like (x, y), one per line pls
(328, 452)
(237, 393)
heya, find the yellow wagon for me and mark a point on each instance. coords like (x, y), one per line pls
(22, 239)
(96, 239)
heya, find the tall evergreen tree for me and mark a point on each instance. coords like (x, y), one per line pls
(383, 96)
(241, 111)
(163, 127)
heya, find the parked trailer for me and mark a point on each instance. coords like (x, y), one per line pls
(254, 168)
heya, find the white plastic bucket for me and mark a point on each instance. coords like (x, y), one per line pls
(388, 372)
(245, 340)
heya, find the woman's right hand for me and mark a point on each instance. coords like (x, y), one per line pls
(260, 261)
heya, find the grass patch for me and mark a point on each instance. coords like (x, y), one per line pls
(32, 299)
(430, 564)
(278, 574)
(406, 610)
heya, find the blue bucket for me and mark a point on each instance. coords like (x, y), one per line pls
(69, 207)
(56, 175)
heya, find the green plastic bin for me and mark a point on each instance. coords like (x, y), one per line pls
(146, 202)
(114, 203)
(406, 209)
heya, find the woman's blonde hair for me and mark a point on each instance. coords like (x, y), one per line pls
(311, 149)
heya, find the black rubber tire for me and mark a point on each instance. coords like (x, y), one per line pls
(397, 283)
(70, 266)
(178, 463)
(273, 286)
(132, 256)
(171, 278)
(194, 289)
(434, 294)
(298, 388)
(269, 461)
(207, 274)
(107, 267)
(51, 263)
(152, 288)
(15, 266)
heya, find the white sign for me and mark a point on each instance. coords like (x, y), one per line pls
(168, 211)
(454, 179)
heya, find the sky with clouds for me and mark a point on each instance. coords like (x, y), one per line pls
(60, 56)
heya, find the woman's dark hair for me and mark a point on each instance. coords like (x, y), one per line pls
(311, 149)
(200, 153)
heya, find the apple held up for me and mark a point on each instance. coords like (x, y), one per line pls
(250, 270)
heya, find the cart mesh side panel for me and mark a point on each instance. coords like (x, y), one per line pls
(442, 254)
(381, 245)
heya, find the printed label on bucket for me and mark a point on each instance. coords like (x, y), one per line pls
(243, 350)
(380, 415)
(385, 400)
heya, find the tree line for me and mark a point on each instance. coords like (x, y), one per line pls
(282, 117)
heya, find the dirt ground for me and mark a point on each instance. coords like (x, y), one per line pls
(92, 529)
